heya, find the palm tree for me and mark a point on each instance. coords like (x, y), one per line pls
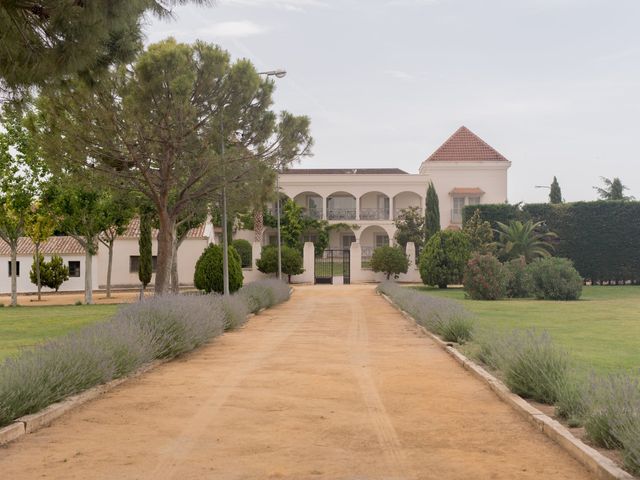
(613, 190)
(522, 239)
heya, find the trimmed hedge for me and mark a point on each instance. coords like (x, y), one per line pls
(244, 249)
(601, 237)
(208, 275)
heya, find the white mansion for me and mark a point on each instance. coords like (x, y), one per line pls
(465, 171)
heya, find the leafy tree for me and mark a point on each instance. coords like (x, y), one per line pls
(444, 258)
(480, 234)
(39, 226)
(208, 274)
(485, 278)
(42, 40)
(244, 249)
(523, 239)
(84, 213)
(54, 273)
(292, 225)
(145, 242)
(432, 213)
(410, 227)
(157, 127)
(292, 263)
(118, 212)
(612, 190)
(390, 261)
(555, 194)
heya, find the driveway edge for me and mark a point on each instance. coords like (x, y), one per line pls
(601, 466)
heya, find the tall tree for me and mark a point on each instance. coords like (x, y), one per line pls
(410, 227)
(40, 225)
(432, 213)
(158, 126)
(612, 190)
(21, 175)
(42, 40)
(145, 242)
(84, 214)
(555, 194)
(118, 211)
(480, 234)
(190, 219)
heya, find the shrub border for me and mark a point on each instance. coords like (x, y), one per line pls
(603, 467)
(35, 421)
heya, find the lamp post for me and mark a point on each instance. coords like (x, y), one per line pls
(277, 74)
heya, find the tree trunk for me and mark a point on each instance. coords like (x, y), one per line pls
(175, 281)
(258, 225)
(165, 242)
(38, 280)
(14, 280)
(88, 283)
(109, 264)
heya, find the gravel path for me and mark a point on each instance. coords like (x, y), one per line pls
(334, 384)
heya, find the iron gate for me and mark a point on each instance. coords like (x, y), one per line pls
(332, 263)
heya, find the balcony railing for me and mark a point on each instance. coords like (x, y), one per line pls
(315, 213)
(341, 214)
(374, 214)
(456, 216)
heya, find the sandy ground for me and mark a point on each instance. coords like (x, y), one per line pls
(62, 298)
(334, 384)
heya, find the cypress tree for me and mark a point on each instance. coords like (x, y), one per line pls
(555, 194)
(145, 265)
(432, 213)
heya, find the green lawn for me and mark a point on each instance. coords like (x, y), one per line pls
(601, 330)
(27, 326)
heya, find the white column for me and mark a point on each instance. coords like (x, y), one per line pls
(357, 208)
(392, 214)
(308, 262)
(355, 262)
(325, 207)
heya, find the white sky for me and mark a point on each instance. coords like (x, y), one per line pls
(554, 85)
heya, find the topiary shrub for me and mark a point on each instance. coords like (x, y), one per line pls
(444, 258)
(243, 247)
(291, 261)
(519, 283)
(208, 274)
(555, 279)
(484, 278)
(390, 261)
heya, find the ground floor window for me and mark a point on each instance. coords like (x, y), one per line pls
(347, 240)
(134, 263)
(74, 268)
(382, 240)
(17, 268)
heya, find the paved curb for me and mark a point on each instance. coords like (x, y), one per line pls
(602, 467)
(35, 421)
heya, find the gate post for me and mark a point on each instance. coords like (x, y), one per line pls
(355, 262)
(308, 263)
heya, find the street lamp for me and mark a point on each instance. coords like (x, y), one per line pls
(277, 74)
(225, 242)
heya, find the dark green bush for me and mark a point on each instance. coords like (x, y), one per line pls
(484, 278)
(244, 249)
(291, 261)
(555, 279)
(444, 258)
(208, 273)
(390, 261)
(519, 283)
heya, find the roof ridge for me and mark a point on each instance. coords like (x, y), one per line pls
(457, 136)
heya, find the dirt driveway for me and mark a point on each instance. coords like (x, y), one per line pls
(334, 384)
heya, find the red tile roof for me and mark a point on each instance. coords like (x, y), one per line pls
(54, 245)
(133, 230)
(466, 191)
(465, 146)
(342, 171)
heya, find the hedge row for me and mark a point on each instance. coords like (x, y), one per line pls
(160, 327)
(601, 238)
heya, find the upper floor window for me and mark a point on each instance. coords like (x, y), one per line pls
(458, 204)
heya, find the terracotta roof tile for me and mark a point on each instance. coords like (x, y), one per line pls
(133, 230)
(465, 146)
(54, 245)
(466, 191)
(348, 171)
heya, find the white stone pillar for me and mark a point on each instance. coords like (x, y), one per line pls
(357, 208)
(325, 207)
(411, 254)
(355, 262)
(392, 213)
(308, 263)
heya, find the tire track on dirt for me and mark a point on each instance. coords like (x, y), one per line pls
(385, 432)
(175, 452)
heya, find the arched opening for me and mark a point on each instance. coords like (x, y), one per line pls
(405, 200)
(371, 238)
(311, 203)
(374, 206)
(341, 206)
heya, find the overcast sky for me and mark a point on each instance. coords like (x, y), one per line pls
(554, 85)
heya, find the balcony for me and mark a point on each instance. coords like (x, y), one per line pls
(341, 214)
(315, 213)
(374, 214)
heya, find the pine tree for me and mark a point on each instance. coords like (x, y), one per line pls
(145, 265)
(555, 194)
(432, 213)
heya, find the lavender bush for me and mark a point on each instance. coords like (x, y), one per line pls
(443, 317)
(160, 327)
